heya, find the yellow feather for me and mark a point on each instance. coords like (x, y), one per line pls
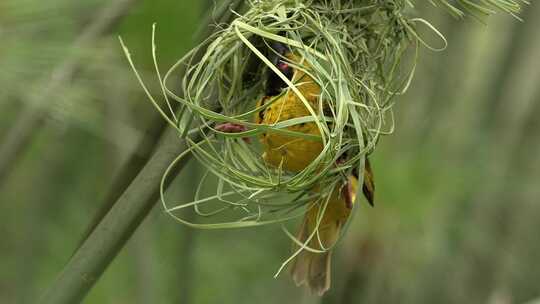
(314, 269)
(294, 154)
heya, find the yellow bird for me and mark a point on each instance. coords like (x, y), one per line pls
(294, 154)
(312, 268)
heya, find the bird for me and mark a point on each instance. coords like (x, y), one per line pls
(320, 232)
(293, 154)
(288, 152)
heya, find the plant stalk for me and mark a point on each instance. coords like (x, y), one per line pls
(111, 234)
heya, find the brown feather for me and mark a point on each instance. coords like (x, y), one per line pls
(368, 188)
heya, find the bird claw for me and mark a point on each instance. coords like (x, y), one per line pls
(230, 127)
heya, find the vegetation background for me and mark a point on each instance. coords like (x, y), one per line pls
(458, 184)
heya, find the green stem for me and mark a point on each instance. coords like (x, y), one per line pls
(122, 218)
(136, 162)
(112, 233)
(145, 148)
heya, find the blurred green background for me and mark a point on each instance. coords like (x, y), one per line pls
(458, 184)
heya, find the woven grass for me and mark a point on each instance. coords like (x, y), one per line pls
(362, 54)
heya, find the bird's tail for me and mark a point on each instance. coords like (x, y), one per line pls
(311, 268)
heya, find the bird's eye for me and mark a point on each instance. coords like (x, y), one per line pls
(286, 69)
(283, 66)
(274, 83)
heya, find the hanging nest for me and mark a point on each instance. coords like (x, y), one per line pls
(362, 54)
(353, 52)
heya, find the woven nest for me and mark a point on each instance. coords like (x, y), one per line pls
(357, 52)
(352, 51)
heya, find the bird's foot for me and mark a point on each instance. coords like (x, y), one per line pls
(230, 127)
